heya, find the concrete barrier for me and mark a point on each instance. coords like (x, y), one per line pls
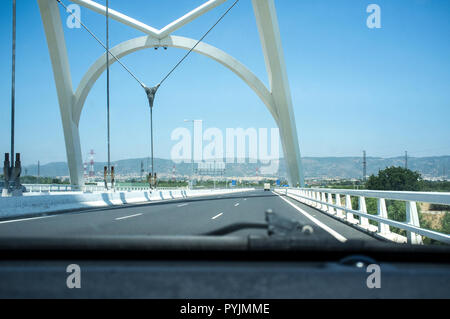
(33, 205)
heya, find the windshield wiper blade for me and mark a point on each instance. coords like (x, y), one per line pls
(276, 225)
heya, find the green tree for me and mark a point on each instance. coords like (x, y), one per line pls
(395, 179)
(446, 223)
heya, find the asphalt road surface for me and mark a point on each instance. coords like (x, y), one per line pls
(194, 216)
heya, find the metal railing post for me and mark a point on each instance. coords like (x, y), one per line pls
(382, 212)
(364, 221)
(330, 201)
(412, 218)
(315, 197)
(324, 200)
(339, 212)
(348, 205)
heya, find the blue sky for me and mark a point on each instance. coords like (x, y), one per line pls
(381, 90)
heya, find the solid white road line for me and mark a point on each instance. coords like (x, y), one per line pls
(217, 216)
(24, 219)
(125, 217)
(331, 231)
(182, 205)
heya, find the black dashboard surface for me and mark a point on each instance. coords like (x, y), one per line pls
(220, 279)
(219, 268)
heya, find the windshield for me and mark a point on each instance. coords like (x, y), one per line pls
(301, 121)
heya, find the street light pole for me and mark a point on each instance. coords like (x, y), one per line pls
(192, 152)
(192, 149)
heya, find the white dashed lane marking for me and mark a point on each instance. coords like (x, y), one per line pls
(125, 217)
(24, 219)
(217, 216)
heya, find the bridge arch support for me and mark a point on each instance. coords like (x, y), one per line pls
(133, 45)
(277, 99)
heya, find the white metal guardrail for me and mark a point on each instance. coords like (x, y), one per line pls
(329, 201)
(15, 206)
(47, 188)
(50, 188)
(56, 188)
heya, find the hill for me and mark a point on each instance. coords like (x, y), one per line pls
(315, 167)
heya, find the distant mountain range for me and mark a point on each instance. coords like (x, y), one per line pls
(315, 167)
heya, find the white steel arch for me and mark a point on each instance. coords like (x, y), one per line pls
(145, 42)
(277, 100)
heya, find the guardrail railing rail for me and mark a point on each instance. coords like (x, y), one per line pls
(56, 188)
(50, 188)
(330, 202)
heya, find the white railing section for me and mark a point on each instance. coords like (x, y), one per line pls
(48, 188)
(57, 188)
(337, 202)
(53, 188)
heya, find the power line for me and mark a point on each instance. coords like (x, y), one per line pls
(406, 159)
(364, 166)
(38, 171)
(387, 154)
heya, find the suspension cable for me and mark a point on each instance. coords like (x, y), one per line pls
(149, 91)
(100, 42)
(175, 67)
(198, 42)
